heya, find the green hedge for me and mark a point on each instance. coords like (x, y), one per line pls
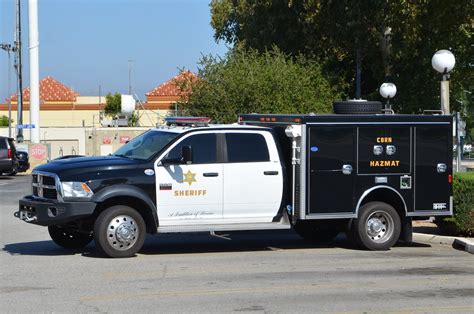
(462, 222)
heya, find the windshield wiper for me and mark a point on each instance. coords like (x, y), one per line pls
(120, 155)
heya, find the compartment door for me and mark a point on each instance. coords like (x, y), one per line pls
(331, 152)
(433, 166)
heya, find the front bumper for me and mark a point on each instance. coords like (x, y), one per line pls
(48, 212)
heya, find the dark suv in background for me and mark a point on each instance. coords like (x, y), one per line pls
(8, 156)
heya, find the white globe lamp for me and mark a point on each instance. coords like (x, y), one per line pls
(387, 91)
(443, 61)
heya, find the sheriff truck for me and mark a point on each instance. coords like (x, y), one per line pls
(367, 174)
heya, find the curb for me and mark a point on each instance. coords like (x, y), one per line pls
(463, 243)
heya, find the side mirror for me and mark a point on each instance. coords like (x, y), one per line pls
(187, 155)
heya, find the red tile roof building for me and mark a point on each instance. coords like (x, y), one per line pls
(50, 90)
(165, 95)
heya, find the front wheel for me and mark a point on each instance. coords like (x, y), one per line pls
(119, 231)
(69, 239)
(378, 226)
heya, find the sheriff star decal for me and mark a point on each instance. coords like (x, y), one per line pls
(189, 177)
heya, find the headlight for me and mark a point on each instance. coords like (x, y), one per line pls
(76, 189)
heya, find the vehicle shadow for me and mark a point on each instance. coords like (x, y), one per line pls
(191, 243)
(198, 243)
(42, 248)
(240, 241)
(4, 177)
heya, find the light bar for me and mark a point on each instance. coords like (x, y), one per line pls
(187, 121)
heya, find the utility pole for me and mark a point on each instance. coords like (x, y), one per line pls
(18, 67)
(34, 71)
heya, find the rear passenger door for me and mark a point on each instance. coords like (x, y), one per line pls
(253, 179)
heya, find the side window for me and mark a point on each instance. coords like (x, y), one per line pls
(203, 145)
(3, 143)
(246, 147)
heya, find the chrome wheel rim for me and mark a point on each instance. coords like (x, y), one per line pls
(379, 226)
(122, 232)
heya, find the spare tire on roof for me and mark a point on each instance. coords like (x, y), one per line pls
(357, 107)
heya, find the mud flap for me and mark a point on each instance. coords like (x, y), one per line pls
(406, 234)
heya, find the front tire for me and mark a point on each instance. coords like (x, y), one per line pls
(377, 228)
(119, 231)
(69, 239)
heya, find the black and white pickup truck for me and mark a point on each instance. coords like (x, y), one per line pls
(320, 174)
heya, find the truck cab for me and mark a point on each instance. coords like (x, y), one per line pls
(169, 179)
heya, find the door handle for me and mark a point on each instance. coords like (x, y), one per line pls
(346, 169)
(441, 168)
(270, 173)
(210, 174)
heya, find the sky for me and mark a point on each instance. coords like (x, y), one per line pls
(87, 43)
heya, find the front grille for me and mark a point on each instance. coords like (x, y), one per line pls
(44, 186)
(50, 193)
(48, 180)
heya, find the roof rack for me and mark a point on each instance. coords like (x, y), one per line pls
(187, 121)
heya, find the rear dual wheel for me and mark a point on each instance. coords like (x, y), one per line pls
(313, 231)
(377, 228)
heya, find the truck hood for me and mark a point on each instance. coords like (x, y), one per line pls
(79, 166)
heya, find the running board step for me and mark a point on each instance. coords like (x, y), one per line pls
(282, 224)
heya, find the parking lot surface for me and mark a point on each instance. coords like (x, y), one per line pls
(271, 271)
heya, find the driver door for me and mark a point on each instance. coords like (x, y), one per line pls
(190, 193)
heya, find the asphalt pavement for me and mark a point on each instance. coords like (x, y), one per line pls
(243, 272)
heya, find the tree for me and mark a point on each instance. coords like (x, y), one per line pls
(113, 104)
(247, 81)
(394, 40)
(4, 121)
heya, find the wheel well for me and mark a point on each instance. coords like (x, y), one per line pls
(387, 196)
(135, 203)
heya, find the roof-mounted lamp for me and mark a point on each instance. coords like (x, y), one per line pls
(387, 91)
(443, 61)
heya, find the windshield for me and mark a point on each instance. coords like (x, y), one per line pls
(145, 145)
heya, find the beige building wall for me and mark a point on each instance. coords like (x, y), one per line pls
(61, 118)
(81, 100)
(87, 118)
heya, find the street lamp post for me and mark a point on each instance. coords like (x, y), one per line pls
(387, 91)
(8, 48)
(130, 76)
(443, 61)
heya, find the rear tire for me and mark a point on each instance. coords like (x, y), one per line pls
(316, 232)
(377, 228)
(69, 239)
(119, 231)
(13, 172)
